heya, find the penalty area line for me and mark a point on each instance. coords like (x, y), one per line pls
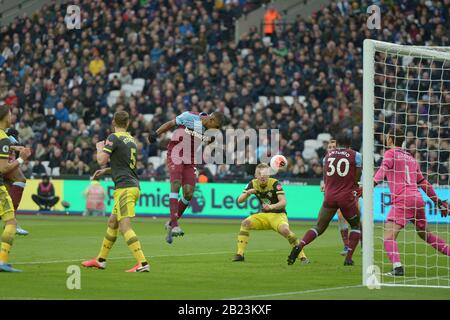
(293, 293)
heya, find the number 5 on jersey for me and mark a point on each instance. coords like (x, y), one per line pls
(133, 158)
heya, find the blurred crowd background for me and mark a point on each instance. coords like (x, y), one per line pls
(58, 81)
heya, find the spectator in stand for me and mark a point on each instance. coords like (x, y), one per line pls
(270, 18)
(38, 169)
(97, 65)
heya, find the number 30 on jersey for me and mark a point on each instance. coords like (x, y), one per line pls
(332, 169)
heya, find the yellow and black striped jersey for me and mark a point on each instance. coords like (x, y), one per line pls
(5, 143)
(267, 194)
(122, 150)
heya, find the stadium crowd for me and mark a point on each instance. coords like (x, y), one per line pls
(57, 80)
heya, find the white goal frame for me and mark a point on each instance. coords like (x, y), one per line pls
(369, 49)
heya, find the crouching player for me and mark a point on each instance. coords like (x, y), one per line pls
(273, 216)
(342, 171)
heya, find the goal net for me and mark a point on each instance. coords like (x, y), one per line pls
(406, 87)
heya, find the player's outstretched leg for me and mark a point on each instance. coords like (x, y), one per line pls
(134, 245)
(355, 235)
(325, 216)
(343, 229)
(390, 246)
(242, 240)
(433, 240)
(173, 206)
(7, 242)
(186, 197)
(286, 232)
(108, 241)
(183, 203)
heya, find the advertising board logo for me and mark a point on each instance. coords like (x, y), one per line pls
(198, 201)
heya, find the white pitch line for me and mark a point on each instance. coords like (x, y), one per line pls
(293, 293)
(129, 257)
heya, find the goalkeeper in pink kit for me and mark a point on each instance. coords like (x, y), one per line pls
(404, 176)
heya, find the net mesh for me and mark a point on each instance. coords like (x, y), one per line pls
(412, 92)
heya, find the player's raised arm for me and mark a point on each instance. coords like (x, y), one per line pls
(429, 190)
(169, 125)
(5, 165)
(103, 152)
(247, 192)
(386, 164)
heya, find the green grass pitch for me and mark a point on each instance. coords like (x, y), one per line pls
(197, 266)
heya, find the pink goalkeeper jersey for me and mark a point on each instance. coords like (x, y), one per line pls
(402, 173)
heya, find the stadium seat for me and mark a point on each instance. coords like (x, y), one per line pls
(112, 97)
(267, 41)
(131, 89)
(312, 144)
(55, 172)
(148, 117)
(324, 137)
(163, 155)
(112, 75)
(289, 100)
(45, 164)
(156, 161)
(302, 99)
(309, 154)
(264, 100)
(139, 82)
(212, 167)
(376, 157)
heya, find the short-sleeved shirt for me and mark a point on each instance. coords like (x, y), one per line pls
(123, 158)
(340, 167)
(190, 127)
(5, 143)
(267, 194)
(402, 173)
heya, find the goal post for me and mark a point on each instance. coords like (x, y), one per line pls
(407, 86)
(368, 157)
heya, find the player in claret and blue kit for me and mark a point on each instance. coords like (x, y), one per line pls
(181, 160)
(342, 171)
(403, 175)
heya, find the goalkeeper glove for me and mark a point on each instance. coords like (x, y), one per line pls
(443, 207)
(152, 136)
(359, 192)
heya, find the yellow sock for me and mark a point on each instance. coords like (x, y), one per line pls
(135, 246)
(292, 238)
(7, 240)
(108, 242)
(302, 254)
(243, 240)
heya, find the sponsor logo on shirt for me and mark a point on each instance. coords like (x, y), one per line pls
(196, 134)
